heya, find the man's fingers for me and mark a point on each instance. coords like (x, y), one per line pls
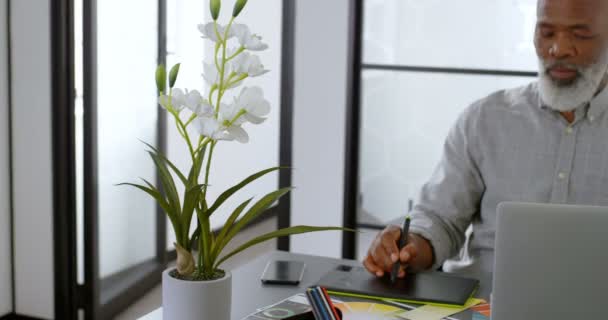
(391, 232)
(383, 252)
(407, 253)
(389, 237)
(372, 267)
(384, 259)
(390, 246)
(379, 256)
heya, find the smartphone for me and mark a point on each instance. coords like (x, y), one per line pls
(283, 272)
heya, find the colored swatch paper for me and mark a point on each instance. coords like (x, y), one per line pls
(367, 310)
(428, 312)
(481, 311)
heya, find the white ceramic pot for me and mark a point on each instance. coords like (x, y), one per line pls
(196, 300)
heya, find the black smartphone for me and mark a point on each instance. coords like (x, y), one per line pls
(283, 272)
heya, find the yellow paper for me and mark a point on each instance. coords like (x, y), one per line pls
(428, 312)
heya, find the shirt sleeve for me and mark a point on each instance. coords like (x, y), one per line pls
(451, 197)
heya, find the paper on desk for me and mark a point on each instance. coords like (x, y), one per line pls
(428, 312)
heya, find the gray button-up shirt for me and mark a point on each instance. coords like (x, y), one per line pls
(509, 147)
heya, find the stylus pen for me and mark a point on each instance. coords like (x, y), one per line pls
(402, 243)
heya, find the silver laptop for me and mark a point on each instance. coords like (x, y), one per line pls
(551, 262)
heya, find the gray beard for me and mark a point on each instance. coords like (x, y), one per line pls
(565, 97)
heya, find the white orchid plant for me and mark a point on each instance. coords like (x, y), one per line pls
(203, 122)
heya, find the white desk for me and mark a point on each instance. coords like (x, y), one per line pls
(249, 294)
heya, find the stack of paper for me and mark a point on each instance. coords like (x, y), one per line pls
(428, 312)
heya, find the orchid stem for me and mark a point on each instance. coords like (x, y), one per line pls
(241, 49)
(223, 69)
(205, 245)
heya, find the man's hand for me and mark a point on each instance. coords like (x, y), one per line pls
(383, 253)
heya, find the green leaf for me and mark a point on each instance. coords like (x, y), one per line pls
(173, 75)
(195, 235)
(150, 185)
(220, 238)
(161, 78)
(205, 239)
(275, 234)
(192, 182)
(154, 193)
(179, 174)
(226, 194)
(195, 170)
(191, 198)
(238, 7)
(195, 188)
(214, 6)
(257, 209)
(167, 182)
(149, 190)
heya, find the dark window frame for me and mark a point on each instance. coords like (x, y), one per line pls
(356, 67)
(104, 298)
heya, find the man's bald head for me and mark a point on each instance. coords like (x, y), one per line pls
(575, 31)
(585, 7)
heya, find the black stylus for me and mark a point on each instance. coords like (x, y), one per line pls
(402, 244)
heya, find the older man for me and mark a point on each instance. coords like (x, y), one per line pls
(545, 142)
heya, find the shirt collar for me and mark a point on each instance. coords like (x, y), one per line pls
(598, 104)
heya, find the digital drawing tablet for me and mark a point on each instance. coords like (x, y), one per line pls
(430, 287)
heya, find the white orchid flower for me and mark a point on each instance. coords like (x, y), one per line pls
(208, 31)
(249, 64)
(219, 129)
(249, 106)
(247, 40)
(212, 76)
(210, 127)
(210, 73)
(238, 133)
(198, 105)
(229, 114)
(177, 100)
(251, 100)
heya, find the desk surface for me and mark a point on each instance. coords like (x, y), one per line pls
(249, 294)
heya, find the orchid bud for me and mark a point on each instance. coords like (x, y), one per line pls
(161, 78)
(215, 5)
(173, 75)
(238, 6)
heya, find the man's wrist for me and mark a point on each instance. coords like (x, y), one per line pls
(426, 256)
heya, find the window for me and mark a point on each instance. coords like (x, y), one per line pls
(421, 64)
(113, 240)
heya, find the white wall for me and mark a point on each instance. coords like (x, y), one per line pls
(33, 207)
(5, 241)
(319, 122)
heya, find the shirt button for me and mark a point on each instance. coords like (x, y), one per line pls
(591, 118)
(569, 130)
(561, 175)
